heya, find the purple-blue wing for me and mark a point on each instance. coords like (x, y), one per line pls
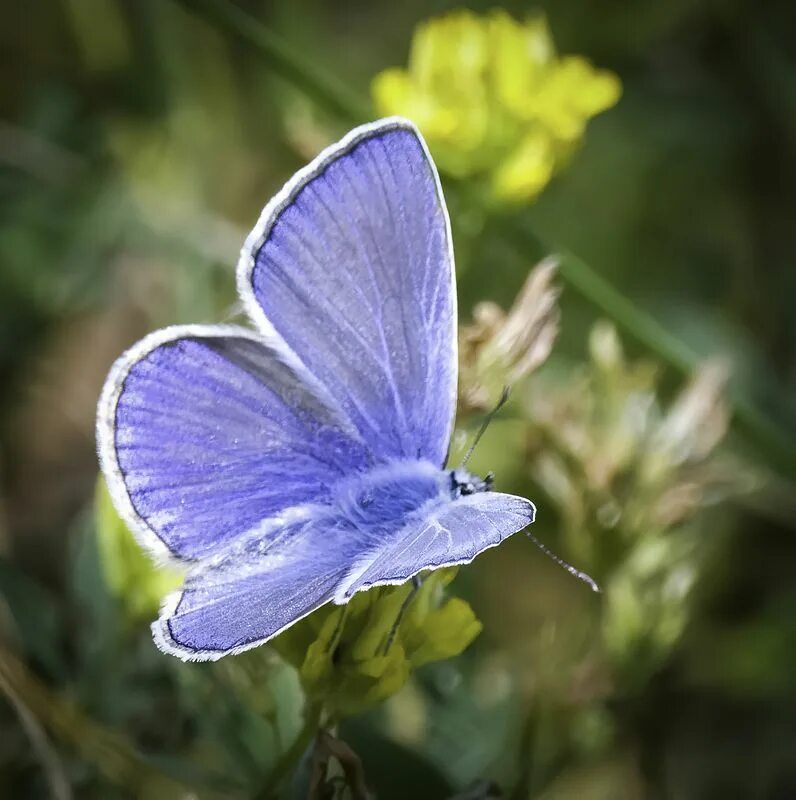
(451, 533)
(352, 265)
(258, 588)
(310, 555)
(204, 432)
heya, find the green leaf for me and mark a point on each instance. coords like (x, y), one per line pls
(445, 633)
(128, 572)
(340, 651)
(35, 614)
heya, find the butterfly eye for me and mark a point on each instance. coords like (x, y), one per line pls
(462, 483)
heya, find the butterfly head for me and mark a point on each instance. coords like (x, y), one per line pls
(464, 482)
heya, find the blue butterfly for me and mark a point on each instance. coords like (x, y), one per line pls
(302, 462)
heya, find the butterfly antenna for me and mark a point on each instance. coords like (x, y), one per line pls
(485, 424)
(587, 579)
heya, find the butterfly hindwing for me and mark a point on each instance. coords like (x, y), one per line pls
(452, 532)
(314, 554)
(249, 596)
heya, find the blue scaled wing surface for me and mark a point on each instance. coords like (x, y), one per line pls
(449, 533)
(352, 265)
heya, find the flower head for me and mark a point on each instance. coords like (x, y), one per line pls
(628, 474)
(501, 347)
(494, 100)
(350, 658)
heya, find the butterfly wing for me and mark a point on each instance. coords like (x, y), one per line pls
(352, 265)
(204, 432)
(265, 582)
(451, 533)
(259, 588)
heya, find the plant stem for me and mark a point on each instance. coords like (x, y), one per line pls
(291, 757)
(53, 770)
(319, 85)
(112, 754)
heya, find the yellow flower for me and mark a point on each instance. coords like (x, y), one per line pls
(494, 100)
(341, 651)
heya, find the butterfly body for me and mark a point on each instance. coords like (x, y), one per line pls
(301, 462)
(365, 510)
(374, 500)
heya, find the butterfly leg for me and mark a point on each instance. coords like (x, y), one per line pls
(338, 630)
(416, 583)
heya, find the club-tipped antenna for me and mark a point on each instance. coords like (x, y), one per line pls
(580, 575)
(504, 396)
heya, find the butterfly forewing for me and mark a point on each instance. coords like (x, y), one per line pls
(352, 265)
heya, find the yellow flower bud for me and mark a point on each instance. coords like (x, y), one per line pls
(342, 655)
(494, 100)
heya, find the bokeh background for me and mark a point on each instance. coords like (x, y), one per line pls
(138, 142)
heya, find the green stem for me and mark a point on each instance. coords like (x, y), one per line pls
(48, 758)
(111, 753)
(291, 757)
(319, 85)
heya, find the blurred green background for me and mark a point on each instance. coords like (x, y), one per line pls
(139, 141)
